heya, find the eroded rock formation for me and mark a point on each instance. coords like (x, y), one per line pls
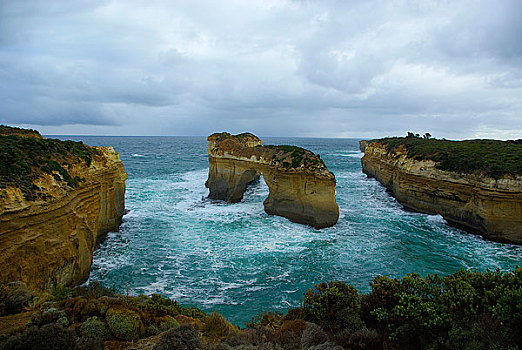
(49, 239)
(301, 188)
(477, 203)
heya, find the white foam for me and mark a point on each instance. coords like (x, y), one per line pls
(436, 219)
(138, 155)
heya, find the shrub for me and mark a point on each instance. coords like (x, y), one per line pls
(167, 323)
(365, 339)
(48, 337)
(94, 290)
(95, 327)
(296, 326)
(313, 335)
(51, 315)
(160, 306)
(184, 337)
(270, 320)
(216, 327)
(325, 346)
(463, 307)
(333, 305)
(16, 297)
(61, 293)
(125, 324)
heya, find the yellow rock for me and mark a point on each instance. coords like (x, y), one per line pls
(476, 203)
(50, 241)
(301, 188)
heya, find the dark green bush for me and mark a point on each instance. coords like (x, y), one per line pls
(313, 335)
(48, 337)
(15, 297)
(415, 311)
(95, 327)
(182, 338)
(334, 306)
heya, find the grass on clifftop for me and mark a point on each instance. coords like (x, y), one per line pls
(9, 130)
(486, 157)
(24, 159)
(297, 156)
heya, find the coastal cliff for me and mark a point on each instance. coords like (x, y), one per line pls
(57, 201)
(475, 191)
(301, 188)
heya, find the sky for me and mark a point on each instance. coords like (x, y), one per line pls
(275, 68)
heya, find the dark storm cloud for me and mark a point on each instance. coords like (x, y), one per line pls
(332, 68)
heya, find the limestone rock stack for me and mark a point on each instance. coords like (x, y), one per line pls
(301, 188)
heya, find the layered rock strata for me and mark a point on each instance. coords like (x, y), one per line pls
(477, 203)
(49, 240)
(301, 188)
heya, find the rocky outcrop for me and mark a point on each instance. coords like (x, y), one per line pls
(362, 145)
(49, 239)
(477, 203)
(301, 188)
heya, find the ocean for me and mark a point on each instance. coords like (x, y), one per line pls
(239, 261)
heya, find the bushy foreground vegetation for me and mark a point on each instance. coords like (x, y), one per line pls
(488, 157)
(466, 310)
(24, 159)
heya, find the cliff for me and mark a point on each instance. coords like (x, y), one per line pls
(57, 200)
(301, 188)
(482, 195)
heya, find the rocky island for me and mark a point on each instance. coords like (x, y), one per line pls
(57, 200)
(475, 184)
(301, 188)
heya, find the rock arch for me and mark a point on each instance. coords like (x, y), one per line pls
(301, 188)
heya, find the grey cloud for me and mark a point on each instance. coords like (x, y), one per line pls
(333, 68)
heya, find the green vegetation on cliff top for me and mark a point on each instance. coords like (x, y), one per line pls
(296, 155)
(9, 130)
(486, 157)
(24, 159)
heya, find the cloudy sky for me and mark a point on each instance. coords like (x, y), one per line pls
(276, 68)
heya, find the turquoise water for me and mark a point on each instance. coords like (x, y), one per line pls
(237, 260)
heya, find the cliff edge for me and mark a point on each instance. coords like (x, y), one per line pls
(57, 200)
(475, 185)
(301, 188)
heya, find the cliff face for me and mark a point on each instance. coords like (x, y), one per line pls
(49, 240)
(301, 188)
(480, 204)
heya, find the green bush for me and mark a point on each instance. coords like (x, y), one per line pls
(334, 306)
(125, 324)
(216, 327)
(48, 337)
(167, 323)
(182, 338)
(95, 327)
(161, 306)
(415, 311)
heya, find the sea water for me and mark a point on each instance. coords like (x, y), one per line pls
(237, 260)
